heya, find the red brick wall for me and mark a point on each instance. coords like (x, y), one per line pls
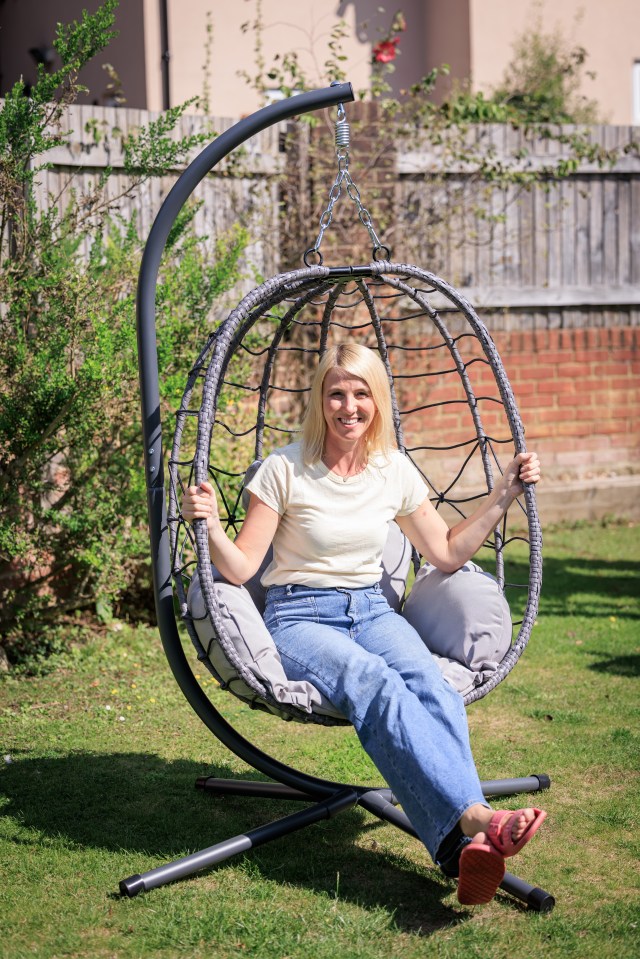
(578, 392)
(578, 395)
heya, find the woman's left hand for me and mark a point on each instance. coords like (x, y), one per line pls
(449, 549)
(525, 468)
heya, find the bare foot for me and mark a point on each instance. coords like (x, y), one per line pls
(476, 819)
(494, 836)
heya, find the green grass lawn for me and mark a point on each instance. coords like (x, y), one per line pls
(97, 783)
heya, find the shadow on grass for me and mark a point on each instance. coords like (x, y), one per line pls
(617, 665)
(585, 587)
(147, 805)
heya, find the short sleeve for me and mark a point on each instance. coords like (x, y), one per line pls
(270, 483)
(414, 489)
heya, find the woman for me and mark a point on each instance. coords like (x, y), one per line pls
(325, 503)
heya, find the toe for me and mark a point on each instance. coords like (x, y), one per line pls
(521, 823)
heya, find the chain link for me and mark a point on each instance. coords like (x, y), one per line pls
(343, 178)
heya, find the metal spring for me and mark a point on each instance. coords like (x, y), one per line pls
(342, 134)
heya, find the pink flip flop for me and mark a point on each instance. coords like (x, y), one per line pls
(481, 872)
(482, 861)
(500, 829)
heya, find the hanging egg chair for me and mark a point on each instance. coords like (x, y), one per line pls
(455, 417)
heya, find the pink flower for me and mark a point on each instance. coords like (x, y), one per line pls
(386, 50)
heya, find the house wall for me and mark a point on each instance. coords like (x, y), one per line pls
(27, 24)
(612, 46)
(475, 37)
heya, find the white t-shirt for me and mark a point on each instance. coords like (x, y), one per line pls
(332, 529)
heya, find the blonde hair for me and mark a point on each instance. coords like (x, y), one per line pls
(361, 363)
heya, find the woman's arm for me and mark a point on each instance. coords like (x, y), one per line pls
(449, 549)
(239, 559)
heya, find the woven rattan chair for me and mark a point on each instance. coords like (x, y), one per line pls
(455, 417)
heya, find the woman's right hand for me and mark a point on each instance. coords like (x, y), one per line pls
(200, 502)
(237, 559)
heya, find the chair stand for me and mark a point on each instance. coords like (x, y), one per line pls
(380, 802)
(325, 799)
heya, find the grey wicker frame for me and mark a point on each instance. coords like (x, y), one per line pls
(321, 288)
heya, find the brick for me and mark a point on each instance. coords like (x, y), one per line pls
(569, 447)
(628, 383)
(549, 416)
(573, 429)
(573, 370)
(596, 441)
(624, 412)
(582, 356)
(618, 368)
(592, 385)
(587, 413)
(557, 386)
(526, 389)
(621, 441)
(526, 341)
(547, 357)
(576, 457)
(546, 400)
(593, 337)
(618, 426)
(539, 372)
(606, 457)
(538, 435)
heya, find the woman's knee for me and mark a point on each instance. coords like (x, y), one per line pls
(397, 642)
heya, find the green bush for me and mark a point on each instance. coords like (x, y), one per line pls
(72, 493)
(543, 80)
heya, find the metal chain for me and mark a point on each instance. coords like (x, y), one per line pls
(342, 140)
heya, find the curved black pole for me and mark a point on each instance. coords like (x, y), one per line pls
(152, 426)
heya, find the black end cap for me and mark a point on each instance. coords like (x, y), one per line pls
(132, 886)
(540, 901)
(544, 780)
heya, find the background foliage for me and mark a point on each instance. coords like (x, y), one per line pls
(73, 503)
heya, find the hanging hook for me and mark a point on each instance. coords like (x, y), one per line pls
(343, 178)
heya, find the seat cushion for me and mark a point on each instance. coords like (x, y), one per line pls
(252, 643)
(465, 621)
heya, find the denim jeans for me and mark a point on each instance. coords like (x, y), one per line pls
(372, 665)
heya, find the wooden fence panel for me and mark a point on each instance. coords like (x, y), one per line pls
(568, 241)
(241, 190)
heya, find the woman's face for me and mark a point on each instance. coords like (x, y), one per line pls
(348, 407)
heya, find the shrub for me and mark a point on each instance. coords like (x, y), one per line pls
(72, 494)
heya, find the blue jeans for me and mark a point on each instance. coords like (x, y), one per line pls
(372, 665)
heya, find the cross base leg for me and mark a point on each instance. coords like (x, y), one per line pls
(380, 802)
(188, 865)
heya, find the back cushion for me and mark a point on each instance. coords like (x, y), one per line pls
(464, 620)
